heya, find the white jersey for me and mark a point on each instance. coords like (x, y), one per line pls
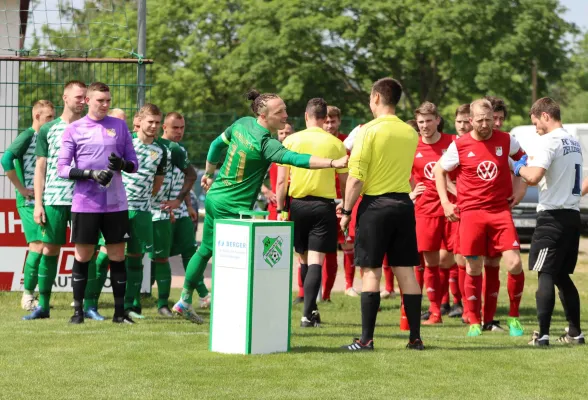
(561, 157)
(348, 142)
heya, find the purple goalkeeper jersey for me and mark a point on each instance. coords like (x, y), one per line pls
(88, 144)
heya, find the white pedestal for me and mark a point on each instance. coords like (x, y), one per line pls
(251, 286)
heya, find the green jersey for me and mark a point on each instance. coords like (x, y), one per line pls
(58, 191)
(23, 149)
(176, 157)
(177, 184)
(139, 186)
(251, 151)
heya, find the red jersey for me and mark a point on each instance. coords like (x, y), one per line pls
(341, 137)
(428, 204)
(483, 172)
(273, 176)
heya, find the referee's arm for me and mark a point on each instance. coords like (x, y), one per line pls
(358, 166)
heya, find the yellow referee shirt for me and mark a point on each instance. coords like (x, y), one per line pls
(317, 182)
(382, 156)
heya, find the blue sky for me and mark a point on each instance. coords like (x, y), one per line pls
(577, 12)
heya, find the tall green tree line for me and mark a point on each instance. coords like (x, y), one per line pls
(208, 53)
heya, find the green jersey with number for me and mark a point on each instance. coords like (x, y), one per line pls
(176, 157)
(139, 186)
(177, 184)
(250, 153)
(58, 191)
(23, 149)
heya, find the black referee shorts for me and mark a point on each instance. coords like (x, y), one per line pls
(555, 242)
(86, 227)
(386, 225)
(315, 224)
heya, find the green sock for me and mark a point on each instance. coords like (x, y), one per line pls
(47, 274)
(91, 286)
(163, 278)
(134, 278)
(200, 286)
(137, 299)
(102, 263)
(31, 272)
(194, 273)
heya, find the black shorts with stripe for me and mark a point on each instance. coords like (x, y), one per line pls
(555, 243)
(86, 227)
(315, 224)
(386, 225)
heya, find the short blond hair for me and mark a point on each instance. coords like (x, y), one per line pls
(149, 109)
(118, 112)
(40, 104)
(482, 104)
(333, 112)
(98, 87)
(173, 114)
(426, 108)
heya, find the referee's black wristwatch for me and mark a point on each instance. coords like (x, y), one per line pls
(345, 212)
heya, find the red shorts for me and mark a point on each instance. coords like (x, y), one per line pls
(456, 249)
(273, 212)
(485, 233)
(434, 233)
(351, 232)
(340, 234)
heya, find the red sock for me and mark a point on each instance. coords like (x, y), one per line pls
(389, 277)
(515, 285)
(329, 274)
(432, 287)
(349, 268)
(473, 291)
(419, 273)
(461, 275)
(300, 283)
(454, 284)
(444, 285)
(491, 289)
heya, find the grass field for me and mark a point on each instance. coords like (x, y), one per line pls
(161, 359)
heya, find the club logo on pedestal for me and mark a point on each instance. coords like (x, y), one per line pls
(272, 250)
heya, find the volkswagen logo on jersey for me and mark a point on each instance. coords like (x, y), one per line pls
(498, 151)
(487, 170)
(429, 170)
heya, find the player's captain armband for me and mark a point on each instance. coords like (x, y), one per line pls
(516, 151)
(216, 147)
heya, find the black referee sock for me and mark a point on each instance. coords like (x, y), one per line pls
(545, 299)
(370, 303)
(412, 308)
(568, 293)
(79, 276)
(312, 285)
(303, 272)
(118, 280)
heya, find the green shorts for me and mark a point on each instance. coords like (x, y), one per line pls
(183, 237)
(55, 229)
(162, 237)
(213, 212)
(31, 230)
(141, 240)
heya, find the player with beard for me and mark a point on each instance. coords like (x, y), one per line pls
(485, 195)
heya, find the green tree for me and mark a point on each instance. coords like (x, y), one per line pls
(572, 90)
(209, 53)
